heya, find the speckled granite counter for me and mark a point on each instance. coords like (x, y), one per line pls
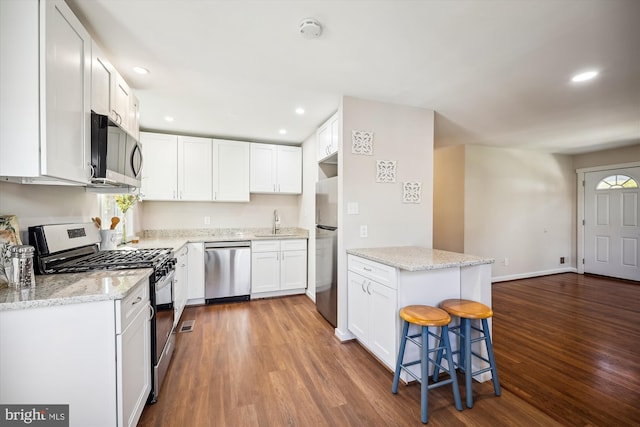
(61, 289)
(415, 258)
(175, 239)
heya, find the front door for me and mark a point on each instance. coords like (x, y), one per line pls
(612, 223)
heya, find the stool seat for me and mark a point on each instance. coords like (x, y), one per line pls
(424, 315)
(466, 308)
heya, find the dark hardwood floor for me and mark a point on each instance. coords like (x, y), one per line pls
(567, 348)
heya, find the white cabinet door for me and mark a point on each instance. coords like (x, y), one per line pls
(194, 168)
(263, 168)
(265, 271)
(102, 77)
(134, 117)
(66, 95)
(289, 170)
(180, 284)
(120, 104)
(134, 368)
(327, 138)
(382, 322)
(358, 303)
(231, 171)
(195, 256)
(293, 270)
(276, 169)
(160, 169)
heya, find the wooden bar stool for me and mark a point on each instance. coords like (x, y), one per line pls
(425, 316)
(467, 311)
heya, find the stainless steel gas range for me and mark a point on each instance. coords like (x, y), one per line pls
(74, 248)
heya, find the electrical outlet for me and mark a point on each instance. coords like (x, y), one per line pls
(561, 260)
(506, 262)
(207, 220)
(364, 231)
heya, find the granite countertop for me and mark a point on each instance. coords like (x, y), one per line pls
(175, 239)
(72, 288)
(415, 258)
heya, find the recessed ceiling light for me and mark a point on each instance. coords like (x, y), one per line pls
(141, 70)
(583, 77)
(300, 111)
(168, 118)
(282, 131)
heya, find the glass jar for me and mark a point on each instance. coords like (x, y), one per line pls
(22, 275)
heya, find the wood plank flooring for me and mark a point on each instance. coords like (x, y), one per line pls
(276, 362)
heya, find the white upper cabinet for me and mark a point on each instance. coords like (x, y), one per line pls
(231, 171)
(160, 170)
(45, 92)
(276, 169)
(194, 168)
(121, 102)
(328, 139)
(102, 78)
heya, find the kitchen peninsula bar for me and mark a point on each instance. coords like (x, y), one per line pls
(383, 280)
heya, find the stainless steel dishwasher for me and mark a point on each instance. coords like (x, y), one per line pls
(227, 271)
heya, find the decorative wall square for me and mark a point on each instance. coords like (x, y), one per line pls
(362, 142)
(386, 171)
(411, 192)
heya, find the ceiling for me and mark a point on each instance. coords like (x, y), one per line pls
(496, 72)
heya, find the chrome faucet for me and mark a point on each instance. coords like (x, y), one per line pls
(276, 222)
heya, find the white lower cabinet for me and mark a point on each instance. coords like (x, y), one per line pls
(133, 352)
(94, 356)
(278, 267)
(373, 301)
(180, 284)
(195, 271)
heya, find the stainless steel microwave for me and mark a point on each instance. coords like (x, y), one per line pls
(116, 157)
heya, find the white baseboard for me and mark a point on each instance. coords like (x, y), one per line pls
(311, 296)
(533, 274)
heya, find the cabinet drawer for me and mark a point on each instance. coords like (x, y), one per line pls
(265, 246)
(372, 270)
(131, 305)
(293, 245)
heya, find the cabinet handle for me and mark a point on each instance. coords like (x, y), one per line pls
(369, 288)
(362, 286)
(366, 269)
(151, 311)
(137, 301)
(274, 188)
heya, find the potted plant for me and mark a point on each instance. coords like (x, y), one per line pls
(124, 203)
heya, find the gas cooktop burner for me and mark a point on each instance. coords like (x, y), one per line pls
(115, 260)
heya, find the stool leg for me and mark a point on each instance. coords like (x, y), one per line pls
(444, 336)
(468, 374)
(403, 343)
(436, 368)
(492, 360)
(424, 382)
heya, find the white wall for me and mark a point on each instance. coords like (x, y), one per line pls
(520, 205)
(613, 156)
(403, 134)
(47, 204)
(190, 215)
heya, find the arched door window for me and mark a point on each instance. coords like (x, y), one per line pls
(614, 182)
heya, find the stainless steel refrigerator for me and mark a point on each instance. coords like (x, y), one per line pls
(327, 248)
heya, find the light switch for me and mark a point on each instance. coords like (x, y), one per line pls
(353, 208)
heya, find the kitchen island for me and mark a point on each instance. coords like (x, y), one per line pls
(383, 280)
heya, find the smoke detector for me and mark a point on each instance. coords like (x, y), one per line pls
(310, 28)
